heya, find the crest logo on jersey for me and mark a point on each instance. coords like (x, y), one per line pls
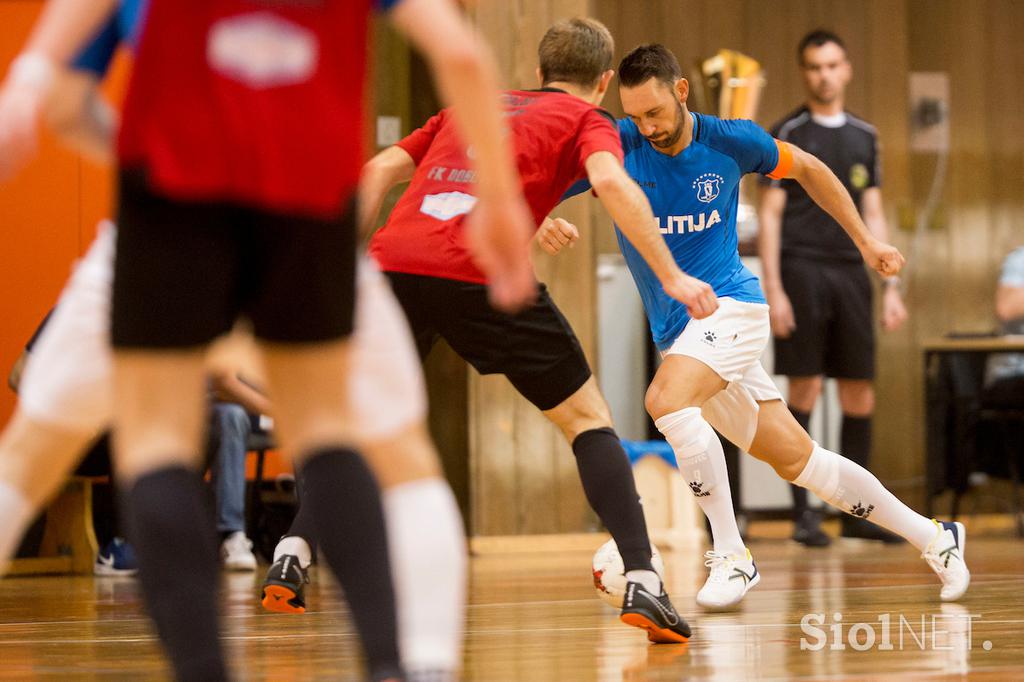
(262, 50)
(708, 186)
(448, 205)
(859, 176)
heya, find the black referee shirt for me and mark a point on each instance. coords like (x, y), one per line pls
(849, 146)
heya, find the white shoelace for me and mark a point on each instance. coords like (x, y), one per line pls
(719, 563)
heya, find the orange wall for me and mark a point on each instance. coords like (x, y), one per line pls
(48, 215)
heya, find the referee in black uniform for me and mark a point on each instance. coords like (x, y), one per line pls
(814, 278)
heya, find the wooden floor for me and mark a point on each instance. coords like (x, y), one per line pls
(535, 617)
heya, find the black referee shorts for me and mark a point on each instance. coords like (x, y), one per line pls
(536, 348)
(835, 330)
(185, 271)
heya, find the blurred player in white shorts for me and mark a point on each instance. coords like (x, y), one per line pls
(65, 402)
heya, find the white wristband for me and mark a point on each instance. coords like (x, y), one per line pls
(34, 70)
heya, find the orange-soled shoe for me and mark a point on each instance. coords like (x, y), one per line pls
(283, 586)
(655, 614)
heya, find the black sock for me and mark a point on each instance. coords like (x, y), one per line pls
(343, 499)
(175, 541)
(611, 491)
(855, 440)
(303, 525)
(800, 494)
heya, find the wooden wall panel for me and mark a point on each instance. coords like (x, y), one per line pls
(523, 473)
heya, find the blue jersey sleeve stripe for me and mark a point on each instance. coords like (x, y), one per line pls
(97, 55)
(387, 5)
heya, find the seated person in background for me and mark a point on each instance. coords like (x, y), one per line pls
(116, 556)
(1004, 375)
(235, 406)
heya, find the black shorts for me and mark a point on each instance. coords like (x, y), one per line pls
(536, 348)
(185, 271)
(835, 329)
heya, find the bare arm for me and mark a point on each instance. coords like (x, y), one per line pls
(769, 248)
(380, 174)
(769, 235)
(894, 312)
(827, 191)
(1009, 302)
(500, 227)
(231, 388)
(78, 114)
(59, 34)
(628, 206)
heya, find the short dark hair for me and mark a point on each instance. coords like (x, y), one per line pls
(817, 38)
(649, 61)
(576, 50)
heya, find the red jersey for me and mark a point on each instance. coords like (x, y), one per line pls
(259, 103)
(554, 134)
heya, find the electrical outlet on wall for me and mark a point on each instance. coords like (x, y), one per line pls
(389, 130)
(929, 111)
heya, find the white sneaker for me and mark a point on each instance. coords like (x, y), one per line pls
(731, 577)
(236, 553)
(946, 555)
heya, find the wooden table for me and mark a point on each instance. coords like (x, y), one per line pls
(937, 399)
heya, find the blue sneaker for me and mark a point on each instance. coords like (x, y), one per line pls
(117, 558)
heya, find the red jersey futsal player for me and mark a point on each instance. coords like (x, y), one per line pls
(560, 136)
(239, 154)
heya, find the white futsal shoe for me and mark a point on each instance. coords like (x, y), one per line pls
(946, 556)
(731, 577)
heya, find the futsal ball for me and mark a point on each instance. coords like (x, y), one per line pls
(610, 575)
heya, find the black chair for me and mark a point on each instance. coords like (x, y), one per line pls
(258, 442)
(970, 423)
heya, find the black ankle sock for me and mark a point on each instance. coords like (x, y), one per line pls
(611, 491)
(800, 494)
(343, 499)
(175, 541)
(855, 440)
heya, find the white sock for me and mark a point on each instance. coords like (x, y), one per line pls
(296, 546)
(648, 579)
(428, 565)
(701, 461)
(848, 486)
(16, 513)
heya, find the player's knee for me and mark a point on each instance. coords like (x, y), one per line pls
(857, 398)
(659, 402)
(804, 392)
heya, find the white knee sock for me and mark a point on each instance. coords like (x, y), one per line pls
(16, 513)
(428, 565)
(702, 464)
(853, 489)
(296, 546)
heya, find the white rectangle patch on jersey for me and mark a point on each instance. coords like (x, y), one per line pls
(447, 205)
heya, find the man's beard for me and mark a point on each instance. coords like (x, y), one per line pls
(824, 95)
(669, 139)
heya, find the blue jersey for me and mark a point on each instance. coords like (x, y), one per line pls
(695, 196)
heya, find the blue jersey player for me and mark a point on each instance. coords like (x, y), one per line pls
(690, 166)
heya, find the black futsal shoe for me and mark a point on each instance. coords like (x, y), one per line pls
(283, 587)
(807, 530)
(854, 528)
(641, 609)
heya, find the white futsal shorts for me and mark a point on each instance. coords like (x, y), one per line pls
(67, 380)
(731, 341)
